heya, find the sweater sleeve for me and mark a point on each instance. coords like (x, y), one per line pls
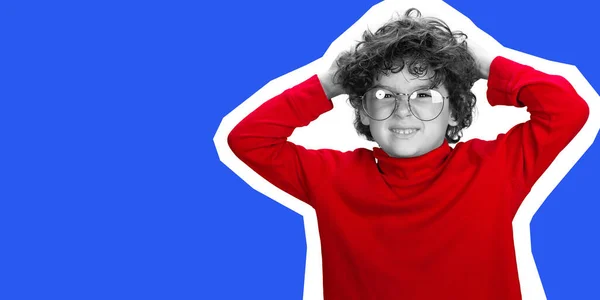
(261, 141)
(557, 114)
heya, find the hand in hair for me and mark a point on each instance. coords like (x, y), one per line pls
(330, 85)
(483, 58)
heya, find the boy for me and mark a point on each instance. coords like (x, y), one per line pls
(415, 218)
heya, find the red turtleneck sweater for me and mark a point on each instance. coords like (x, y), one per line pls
(438, 226)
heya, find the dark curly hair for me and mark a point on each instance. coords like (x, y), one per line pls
(420, 44)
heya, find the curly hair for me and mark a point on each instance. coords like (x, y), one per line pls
(420, 44)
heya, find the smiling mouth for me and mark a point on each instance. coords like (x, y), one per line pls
(404, 132)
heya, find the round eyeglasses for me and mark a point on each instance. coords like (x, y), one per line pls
(380, 103)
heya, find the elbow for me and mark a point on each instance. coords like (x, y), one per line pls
(233, 141)
(241, 142)
(578, 109)
(581, 113)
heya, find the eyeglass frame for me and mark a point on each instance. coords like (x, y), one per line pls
(398, 99)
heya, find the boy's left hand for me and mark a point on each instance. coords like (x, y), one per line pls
(483, 58)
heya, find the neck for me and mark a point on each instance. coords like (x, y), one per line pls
(412, 168)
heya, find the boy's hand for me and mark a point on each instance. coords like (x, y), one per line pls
(327, 78)
(483, 58)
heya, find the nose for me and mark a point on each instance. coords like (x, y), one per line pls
(402, 109)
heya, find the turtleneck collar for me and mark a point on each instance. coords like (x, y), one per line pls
(413, 169)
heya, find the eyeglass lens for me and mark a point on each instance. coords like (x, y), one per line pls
(381, 104)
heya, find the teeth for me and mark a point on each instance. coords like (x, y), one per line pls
(404, 131)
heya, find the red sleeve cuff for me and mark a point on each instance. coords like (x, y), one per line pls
(503, 83)
(310, 91)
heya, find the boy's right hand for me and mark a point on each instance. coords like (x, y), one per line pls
(327, 78)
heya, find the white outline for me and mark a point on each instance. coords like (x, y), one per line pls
(334, 127)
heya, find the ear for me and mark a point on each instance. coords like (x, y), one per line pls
(452, 121)
(364, 119)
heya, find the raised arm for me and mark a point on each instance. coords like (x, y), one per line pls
(260, 140)
(557, 114)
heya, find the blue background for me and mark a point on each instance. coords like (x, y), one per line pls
(111, 185)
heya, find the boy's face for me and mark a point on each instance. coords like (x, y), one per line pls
(402, 134)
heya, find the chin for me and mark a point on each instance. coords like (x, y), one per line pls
(404, 152)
